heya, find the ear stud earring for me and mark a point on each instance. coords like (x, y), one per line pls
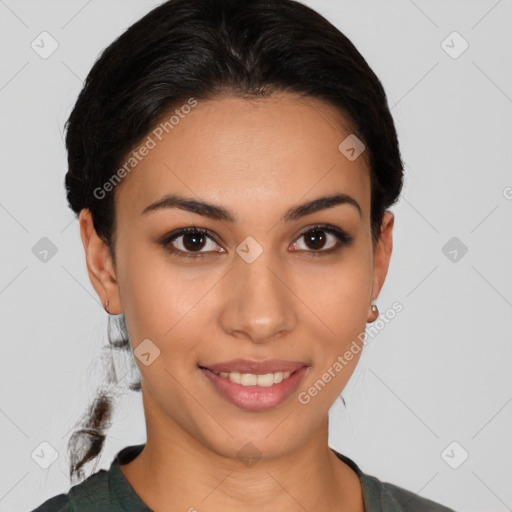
(375, 309)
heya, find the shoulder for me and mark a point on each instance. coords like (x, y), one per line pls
(103, 491)
(91, 494)
(58, 503)
(386, 497)
(394, 498)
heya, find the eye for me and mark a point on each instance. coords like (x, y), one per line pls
(316, 239)
(193, 239)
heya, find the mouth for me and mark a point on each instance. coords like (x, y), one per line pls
(258, 389)
(253, 379)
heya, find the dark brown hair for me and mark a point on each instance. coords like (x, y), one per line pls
(206, 49)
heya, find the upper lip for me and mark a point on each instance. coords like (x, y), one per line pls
(255, 367)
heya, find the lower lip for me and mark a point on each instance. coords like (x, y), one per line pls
(256, 398)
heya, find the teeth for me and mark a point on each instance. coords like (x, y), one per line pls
(250, 379)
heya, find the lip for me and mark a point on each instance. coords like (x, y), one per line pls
(255, 367)
(256, 398)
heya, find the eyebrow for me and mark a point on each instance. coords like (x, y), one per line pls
(219, 213)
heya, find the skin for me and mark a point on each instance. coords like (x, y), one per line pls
(256, 158)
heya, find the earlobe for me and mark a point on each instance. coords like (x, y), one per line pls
(99, 263)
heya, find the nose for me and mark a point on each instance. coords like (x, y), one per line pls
(260, 302)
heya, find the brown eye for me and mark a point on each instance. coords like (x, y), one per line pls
(317, 237)
(193, 241)
(190, 242)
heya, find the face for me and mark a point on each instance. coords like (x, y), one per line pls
(258, 282)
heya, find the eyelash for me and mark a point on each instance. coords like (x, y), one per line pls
(344, 239)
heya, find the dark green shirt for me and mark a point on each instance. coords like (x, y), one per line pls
(109, 491)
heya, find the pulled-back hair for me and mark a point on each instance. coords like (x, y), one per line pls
(207, 49)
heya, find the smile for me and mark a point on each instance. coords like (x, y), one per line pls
(251, 379)
(255, 392)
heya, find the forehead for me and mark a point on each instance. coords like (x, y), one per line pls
(260, 154)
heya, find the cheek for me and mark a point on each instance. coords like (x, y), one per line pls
(337, 295)
(163, 301)
(339, 305)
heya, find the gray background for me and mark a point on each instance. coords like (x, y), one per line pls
(438, 373)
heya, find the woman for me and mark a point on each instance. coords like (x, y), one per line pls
(231, 164)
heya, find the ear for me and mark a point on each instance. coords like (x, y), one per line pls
(382, 253)
(99, 264)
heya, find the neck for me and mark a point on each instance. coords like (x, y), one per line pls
(177, 472)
